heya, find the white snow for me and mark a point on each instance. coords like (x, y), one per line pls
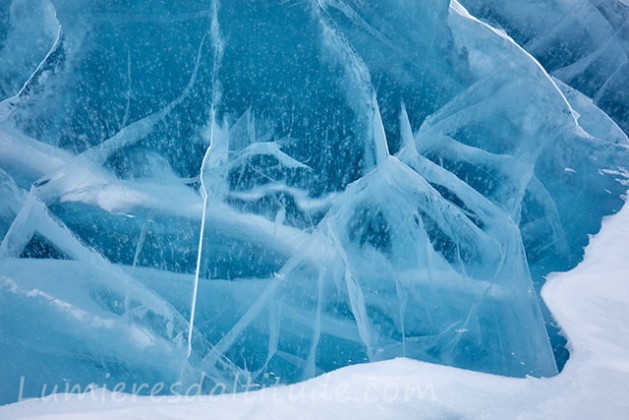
(591, 303)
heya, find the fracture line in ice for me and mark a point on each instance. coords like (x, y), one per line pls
(7, 105)
(125, 117)
(218, 45)
(275, 319)
(355, 295)
(310, 370)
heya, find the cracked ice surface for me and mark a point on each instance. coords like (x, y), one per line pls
(585, 43)
(261, 194)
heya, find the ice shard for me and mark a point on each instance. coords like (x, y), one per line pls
(246, 196)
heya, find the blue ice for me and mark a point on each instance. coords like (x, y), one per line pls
(260, 194)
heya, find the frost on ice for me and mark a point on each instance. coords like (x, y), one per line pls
(257, 195)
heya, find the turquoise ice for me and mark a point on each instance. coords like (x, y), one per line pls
(257, 194)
